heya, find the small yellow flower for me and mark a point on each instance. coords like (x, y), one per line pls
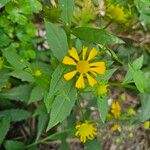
(101, 89)
(85, 131)
(146, 125)
(83, 67)
(37, 73)
(109, 117)
(116, 109)
(117, 13)
(116, 127)
(8, 85)
(131, 111)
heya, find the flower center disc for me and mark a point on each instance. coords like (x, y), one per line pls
(83, 66)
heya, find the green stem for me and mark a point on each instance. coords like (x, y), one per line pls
(68, 33)
(113, 55)
(119, 84)
(107, 25)
(79, 104)
(9, 67)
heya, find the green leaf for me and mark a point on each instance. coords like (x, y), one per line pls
(95, 35)
(30, 6)
(55, 136)
(145, 109)
(102, 103)
(3, 80)
(107, 75)
(67, 10)
(144, 10)
(56, 84)
(137, 64)
(42, 120)
(20, 93)
(16, 114)
(57, 40)
(4, 39)
(14, 59)
(14, 145)
(4, 127)
(62, 105)
(92, 145)
(37, 94)
(51, 14)
(23, 75)
(139, 79)
(3, 3)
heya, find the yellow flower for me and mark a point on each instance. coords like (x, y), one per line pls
(8, 85)
(116, 127)
(116, 109)
(85, 131)
(146, 125)
(83, 67)
(109, 117)
(117, 13)
(131, 111)
(101, 89)
(37, 73)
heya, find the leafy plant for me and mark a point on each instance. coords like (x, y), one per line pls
(61, 84)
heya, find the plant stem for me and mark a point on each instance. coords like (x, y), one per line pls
(107, 25)
(79, 104)
(119, 84)
(9, 67)
(68, 33)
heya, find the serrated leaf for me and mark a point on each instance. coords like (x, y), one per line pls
(145, 109)
(14, 145)
(20, 93)
(95, 35)
(56, 83)
(102, 103)
(37, 94)
(139, 79)
(107, 75)
(16, 114)
(61, 106)
(4, 127)
(30, 6)
(67, 10)
(23, 75)
(144, 9)
(137, 64)
(57, 40)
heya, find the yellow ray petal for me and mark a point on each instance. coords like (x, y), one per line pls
(93, 73)
(99, 70)
(70, 75)
(73, 53)
(92, 54)
(97, 64)
(84, 50)
(80, 82)
(91, 80)
(68, 61)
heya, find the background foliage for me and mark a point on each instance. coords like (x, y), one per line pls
(31, 77)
